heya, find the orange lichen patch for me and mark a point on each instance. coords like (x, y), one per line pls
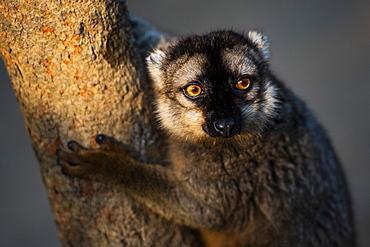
(77, 77)
(17, 8)
(2, 6)
(68, 22)
(51, 74)
(49, 65)
(77, 49)
(67, 43)
(25, 17)
(81, 79)
(71, 44)
(76, 37)
(82, 82)
(47, 12)
(86, 93)
(47, 30)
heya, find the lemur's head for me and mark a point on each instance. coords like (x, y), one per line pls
(216, 85)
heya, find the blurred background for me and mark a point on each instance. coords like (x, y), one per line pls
(321, 49)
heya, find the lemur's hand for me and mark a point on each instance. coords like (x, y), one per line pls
(93, 164)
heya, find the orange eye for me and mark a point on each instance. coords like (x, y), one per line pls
(193, 90)
(243, 84)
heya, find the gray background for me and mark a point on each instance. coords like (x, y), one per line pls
(320, 48)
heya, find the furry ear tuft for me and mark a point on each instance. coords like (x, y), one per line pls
(154, 62)
(261, 41)
(156, 58)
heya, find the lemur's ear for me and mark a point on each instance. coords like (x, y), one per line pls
(154, 62)
(261, 41)
(156, 58)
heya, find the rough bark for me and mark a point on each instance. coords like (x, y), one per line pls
(76, 74)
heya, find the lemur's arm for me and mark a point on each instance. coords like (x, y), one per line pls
(154, 185)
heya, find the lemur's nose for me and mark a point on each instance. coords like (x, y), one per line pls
(225, 127)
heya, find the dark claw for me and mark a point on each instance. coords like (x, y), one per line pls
(101, 139)
(72, 164)
(57, 152)
(72, 145)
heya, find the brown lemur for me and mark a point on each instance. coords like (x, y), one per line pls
(246, 163)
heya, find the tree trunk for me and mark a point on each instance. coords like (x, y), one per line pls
(76, 73)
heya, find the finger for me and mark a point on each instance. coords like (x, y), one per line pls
(60, 162)
(70, 170)
(108, 143)
(75, 146)
(68, 157)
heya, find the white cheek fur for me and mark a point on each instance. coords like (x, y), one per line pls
(180, 121)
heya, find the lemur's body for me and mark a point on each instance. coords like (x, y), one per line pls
(248, 165)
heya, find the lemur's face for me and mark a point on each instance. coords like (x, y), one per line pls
(212, 85)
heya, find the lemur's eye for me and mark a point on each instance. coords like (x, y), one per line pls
(243, 84)
(193, 90)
